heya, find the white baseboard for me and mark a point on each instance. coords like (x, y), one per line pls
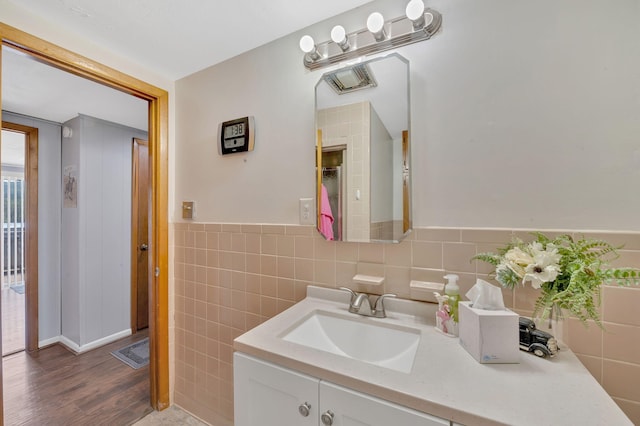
(70, 344)
(47, 342)
(96, 343)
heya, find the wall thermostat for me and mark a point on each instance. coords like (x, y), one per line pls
(236, 136)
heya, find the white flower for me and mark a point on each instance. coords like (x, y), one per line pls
(517, 255)
(517, 260)
(545, 266)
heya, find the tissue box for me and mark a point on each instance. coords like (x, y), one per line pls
(491, 337)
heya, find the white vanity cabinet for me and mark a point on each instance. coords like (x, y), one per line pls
(269, 395)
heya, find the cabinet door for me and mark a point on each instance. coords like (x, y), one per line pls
(267, 395)
(352, 408)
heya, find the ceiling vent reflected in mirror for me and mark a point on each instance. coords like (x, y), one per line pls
(354, 78)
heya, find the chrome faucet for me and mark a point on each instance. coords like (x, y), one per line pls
(360, 304)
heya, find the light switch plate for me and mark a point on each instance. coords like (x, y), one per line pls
(307, 216)
(188, 209)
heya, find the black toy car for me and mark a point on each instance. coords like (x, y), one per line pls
(537, 341)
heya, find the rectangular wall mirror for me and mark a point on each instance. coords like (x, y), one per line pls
(363, 151)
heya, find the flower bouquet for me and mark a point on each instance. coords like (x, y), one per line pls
(568, 272)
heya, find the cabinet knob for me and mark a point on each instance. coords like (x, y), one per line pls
(304, 409)
(327, 418)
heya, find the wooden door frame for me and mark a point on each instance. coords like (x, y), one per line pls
(31, 232)
(406, 189)
(158, 155)
(134, 232)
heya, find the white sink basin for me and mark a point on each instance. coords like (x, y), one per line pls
(372, 341)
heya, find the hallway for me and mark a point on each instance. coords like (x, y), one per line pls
(56, 387)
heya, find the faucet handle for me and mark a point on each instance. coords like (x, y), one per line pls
(379, 305)
(353, 293)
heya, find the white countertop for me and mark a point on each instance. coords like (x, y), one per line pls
(445, 380)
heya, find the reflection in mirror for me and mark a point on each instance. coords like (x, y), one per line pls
(362, 151)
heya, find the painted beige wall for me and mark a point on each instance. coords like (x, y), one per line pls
(522, 116)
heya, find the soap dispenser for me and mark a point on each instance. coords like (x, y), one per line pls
(452, 290)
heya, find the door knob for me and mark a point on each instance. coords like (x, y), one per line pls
(144, 247)
(304, 409)
(327, 418)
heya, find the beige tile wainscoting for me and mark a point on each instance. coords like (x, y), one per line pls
(231, 277)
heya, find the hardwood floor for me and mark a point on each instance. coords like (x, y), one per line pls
(57, 387)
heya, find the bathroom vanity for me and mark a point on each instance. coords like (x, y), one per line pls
(318, 364)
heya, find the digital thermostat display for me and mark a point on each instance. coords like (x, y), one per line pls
(236, 136)
(234, 131)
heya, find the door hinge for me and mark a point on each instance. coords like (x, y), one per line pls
(157, 271)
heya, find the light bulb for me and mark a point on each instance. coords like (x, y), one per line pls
(339, 37)
(307, 45)
(375, 24)
(415, 9)
(415, 13)
(338, 34)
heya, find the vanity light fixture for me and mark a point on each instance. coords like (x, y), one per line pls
(418, 24)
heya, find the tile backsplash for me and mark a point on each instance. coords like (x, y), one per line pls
(229, 278)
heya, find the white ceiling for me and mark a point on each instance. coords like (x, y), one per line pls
(174, 38)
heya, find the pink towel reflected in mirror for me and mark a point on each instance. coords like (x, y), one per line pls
(326, 216)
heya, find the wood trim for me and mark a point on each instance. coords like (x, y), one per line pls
(31, 282)
(159, 246)
(158, 148)
(406, 202)
(31, 240)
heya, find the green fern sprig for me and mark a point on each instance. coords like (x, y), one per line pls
(583, 266)
(491, 258)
